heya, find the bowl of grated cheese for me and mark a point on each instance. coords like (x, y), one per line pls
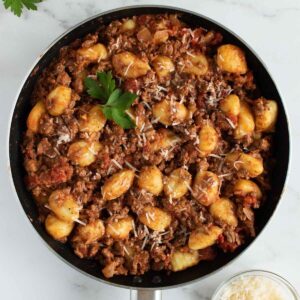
(256, 285)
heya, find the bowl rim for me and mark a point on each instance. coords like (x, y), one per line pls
(96, 16)
(258, 272)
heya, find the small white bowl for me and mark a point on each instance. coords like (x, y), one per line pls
(289, 290)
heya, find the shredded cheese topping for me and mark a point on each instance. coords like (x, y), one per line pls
(254, 287)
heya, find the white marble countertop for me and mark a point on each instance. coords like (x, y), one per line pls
(27, 269)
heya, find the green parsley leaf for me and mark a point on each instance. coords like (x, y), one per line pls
(115, 101)
(125, 100)
(122, 119)
(107, 112)
(107, 82)
(16, 6)
(93, 88)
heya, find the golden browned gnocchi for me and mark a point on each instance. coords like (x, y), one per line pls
(182, 259)
(163, 66)
(251, 165)
(167, 112)
(196, 64)
(35, 115)
(224, 210)
(230, 105)
(246, 125)
(160, 36)
(208, 139)
(155, 218)
(93, 53)
(118, 184)
(231, 58)
(93, 121)
(84, 153)
(151, 180)
(244, 187)
(166, 139)
(57, 228)
(58, 100)
(90, 233)
(64, 205)
(128, 65)
(177, 184)
(128, 25)
(206, 187)
(144, 35)
(119, 228)
(266, 112)
(202, 238)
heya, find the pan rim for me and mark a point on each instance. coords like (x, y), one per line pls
(60, 37)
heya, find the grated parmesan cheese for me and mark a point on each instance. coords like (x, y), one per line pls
(230, 123)
(116, 163)
(64, 138)
(80, 222)
(128, 67)
(131, 166)
(253, 287)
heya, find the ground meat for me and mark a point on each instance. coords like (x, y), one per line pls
(51, 166)
(140, 263)
(86, 250)
(114, 268)
(61, 172)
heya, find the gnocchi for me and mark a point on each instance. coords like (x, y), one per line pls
(196, 64)
(160, 36)
(244, 187)
(35, 115)
(90, 233)
(155, 218)
(202, 238)
(166, 139)
(58, 100)
(144, 35)
(93, 121)
(206, 187)
(177, 183)
(128, 65)
(208, 140)
(93, 53)
(119, 229)
(245, 125)
(128, 25)
(230, 105)
(252, 166)
(167, 112)
(64, 205)
(84, 153)
(163, 66)
(266, 112)
(118, 184)
(182, 259)
(57, 228)
(231, 58)
(224, 210)
(151, 179)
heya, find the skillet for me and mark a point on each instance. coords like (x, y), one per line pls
(151, 281)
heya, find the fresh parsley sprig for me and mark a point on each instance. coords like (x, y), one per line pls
(114, 101)
(16, 6)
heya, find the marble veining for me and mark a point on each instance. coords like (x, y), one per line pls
(28, 270)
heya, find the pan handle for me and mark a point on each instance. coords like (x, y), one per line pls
(145, 295)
